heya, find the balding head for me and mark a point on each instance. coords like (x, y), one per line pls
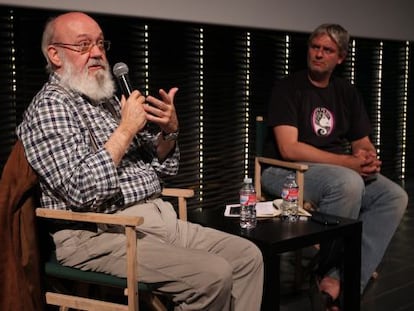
(66, 28)
(74, 47)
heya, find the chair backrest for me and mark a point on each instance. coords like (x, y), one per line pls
(261, 138)
(263, 144)
(264, 139)
(261, 135)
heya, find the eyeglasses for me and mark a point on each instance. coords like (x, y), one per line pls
(85, 46)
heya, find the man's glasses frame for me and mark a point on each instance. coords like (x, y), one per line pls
(84, 46)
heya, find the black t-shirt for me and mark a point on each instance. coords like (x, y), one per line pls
(326, 118)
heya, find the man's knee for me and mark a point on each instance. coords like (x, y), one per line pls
(253, 255)
(348, 182)
(207, 286)
(335, 190)
(218, 277)
(400, 202)
(215, 287)
(391, 196)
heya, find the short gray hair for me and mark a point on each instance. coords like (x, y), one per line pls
(47, 39)
(336, 32)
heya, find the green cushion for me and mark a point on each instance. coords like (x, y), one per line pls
(54, 269)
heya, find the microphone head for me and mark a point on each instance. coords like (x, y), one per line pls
(120, 69)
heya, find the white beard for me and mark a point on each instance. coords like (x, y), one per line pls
(99, 87)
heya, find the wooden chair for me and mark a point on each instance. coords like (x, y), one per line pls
(132, 287)
(263, 133)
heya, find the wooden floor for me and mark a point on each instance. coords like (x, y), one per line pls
(393, 290)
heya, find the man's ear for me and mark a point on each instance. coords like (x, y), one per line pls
(54, 56)
(341, 58)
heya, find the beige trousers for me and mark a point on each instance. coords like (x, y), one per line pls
(202, 268)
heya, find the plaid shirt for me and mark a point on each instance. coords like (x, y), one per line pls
(58, 131)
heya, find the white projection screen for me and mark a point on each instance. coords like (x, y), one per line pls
(379, 19)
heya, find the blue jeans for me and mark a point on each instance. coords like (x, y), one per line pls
(337, 190)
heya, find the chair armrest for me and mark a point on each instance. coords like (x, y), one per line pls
(178, 192)
(300, 168)
(182, 195)
(286, 164)
(100, 218)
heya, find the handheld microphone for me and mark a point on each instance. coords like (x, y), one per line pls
(120, 71)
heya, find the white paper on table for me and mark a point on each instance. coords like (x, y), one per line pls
(263, 209)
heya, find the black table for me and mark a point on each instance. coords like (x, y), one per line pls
(274, 236)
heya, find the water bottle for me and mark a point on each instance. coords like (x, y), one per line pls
(290, 195)
(247, 205)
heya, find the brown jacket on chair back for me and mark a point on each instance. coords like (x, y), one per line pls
(20, 285)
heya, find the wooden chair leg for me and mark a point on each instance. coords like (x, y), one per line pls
(152, 301)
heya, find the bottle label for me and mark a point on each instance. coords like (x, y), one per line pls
(290, 194)
(248, 199)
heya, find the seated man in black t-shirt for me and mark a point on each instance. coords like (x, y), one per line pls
(320, 119)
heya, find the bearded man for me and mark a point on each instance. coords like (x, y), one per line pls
(89, 159)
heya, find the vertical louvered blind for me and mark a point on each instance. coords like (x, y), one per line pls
(380, 75)
(7, 94)
(224, 75)
(392, 117)
(175, 61)
(223, 113)
(268, 63)
(409, 124)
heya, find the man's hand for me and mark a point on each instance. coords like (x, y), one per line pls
(369, 162)
(364, 152)
(133, 115)
(162, 111)
(133, 120)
